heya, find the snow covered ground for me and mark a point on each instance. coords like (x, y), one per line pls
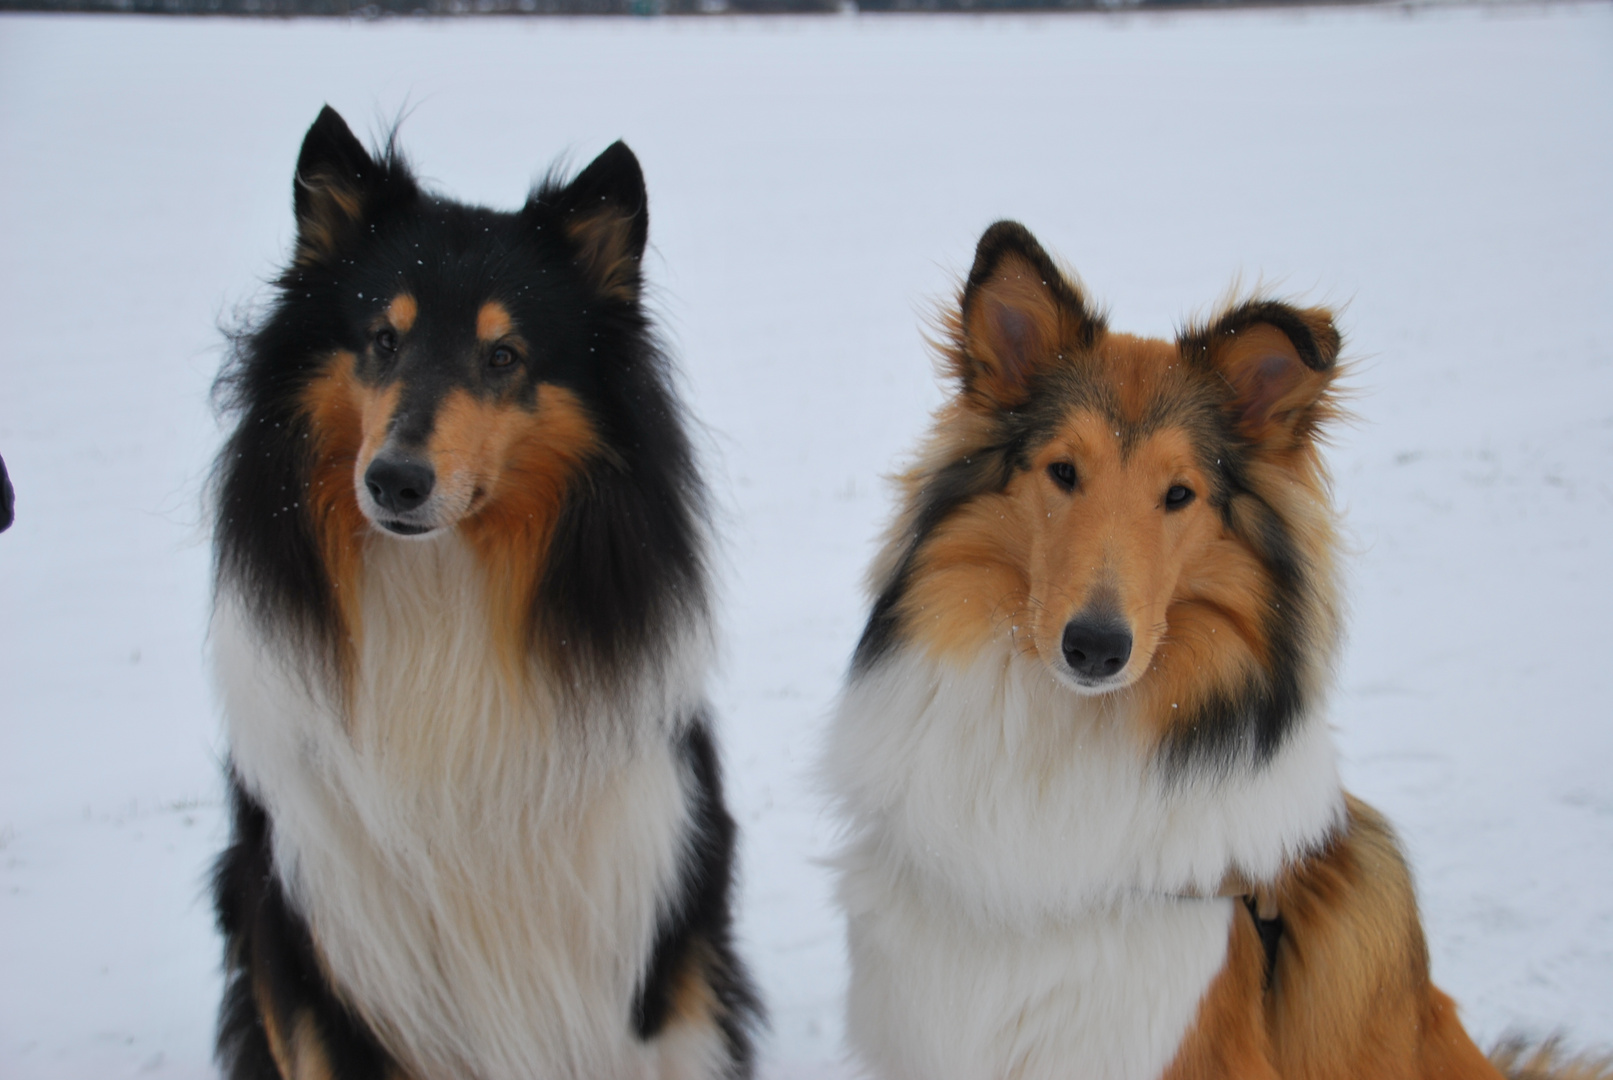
(1443, 176)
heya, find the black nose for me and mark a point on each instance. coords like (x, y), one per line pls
(1096, 648)
(398, 484)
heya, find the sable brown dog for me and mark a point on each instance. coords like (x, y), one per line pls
(1095, 824)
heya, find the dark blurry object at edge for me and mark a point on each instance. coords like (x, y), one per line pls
(7, 498)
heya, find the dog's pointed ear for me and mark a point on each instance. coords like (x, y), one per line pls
(1278, 364)
(336, 179)
(605, 214)
(1018, 315)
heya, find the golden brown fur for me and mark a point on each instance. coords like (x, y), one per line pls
(1350, 993)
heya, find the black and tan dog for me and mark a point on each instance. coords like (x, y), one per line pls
(461, 635)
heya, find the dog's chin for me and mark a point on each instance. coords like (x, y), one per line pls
(405, 529)
(431, 519)
(1097, 688)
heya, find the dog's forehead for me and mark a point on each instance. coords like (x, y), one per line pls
(1128, 392)
(443, 316)
(1138, 373)
(1156, 439)
(463, 273)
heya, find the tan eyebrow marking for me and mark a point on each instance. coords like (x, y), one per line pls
(401, 312)
(493, 322)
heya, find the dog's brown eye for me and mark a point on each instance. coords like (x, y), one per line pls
(386, 341)
(1063, 474)
(1178, 496)
(503, 356)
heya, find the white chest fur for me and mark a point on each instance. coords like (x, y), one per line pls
(1010, 857)
(481, 866)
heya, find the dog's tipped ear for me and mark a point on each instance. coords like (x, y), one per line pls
(335, 179)
(1279, 363)
(1018, 315)
(605, 214)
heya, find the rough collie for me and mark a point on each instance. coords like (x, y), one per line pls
(1095, 824)
(461, 632)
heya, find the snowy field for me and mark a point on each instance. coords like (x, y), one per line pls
(1444, 176)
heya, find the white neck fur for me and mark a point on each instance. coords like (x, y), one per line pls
(1013, 869)
(1025, 800)
(481, 864)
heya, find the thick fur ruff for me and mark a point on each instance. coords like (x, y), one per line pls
(1059, 773)
(1093, 812)
(1009, 885)
(461, 638)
